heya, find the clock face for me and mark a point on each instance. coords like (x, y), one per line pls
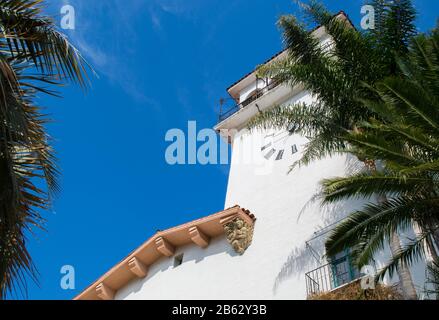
(280, 145)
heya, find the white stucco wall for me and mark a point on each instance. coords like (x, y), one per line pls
(212, 273)
(281, 203)
(286, 214)
(274, 266)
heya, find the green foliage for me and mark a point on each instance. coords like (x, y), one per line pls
(394, 27)
(334, 74)
(376, 97)
(33, 55)
(405, 142)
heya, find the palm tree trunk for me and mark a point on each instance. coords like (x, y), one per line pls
(433, 251)
(435, 235)
(431, 242)
(405, 278)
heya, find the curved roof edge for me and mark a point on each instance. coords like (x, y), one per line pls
(162, 244)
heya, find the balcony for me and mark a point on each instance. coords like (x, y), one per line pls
(259, 92)
(330, 276)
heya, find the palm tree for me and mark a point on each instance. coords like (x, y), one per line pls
(335, 76)
(404, 139)
(33, 55)
(433, 279)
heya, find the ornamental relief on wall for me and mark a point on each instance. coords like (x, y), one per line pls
(239, 234)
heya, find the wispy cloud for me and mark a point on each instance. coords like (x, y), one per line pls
(187, 9)
(107, 34)
(161, 9)
(98, 58)
(155, 19)
(104, 33)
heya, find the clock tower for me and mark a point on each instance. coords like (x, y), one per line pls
(288, 242)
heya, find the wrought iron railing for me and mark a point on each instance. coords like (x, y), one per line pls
(330, 276)
(258, 93)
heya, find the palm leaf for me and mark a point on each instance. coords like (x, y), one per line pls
(33, 55)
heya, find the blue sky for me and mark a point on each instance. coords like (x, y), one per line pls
(161, 63)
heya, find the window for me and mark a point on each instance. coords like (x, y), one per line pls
(178, 260)
(342, 269)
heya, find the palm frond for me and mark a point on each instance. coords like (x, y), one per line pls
(32, 37)
(389, 216)
(33, 55)
(407, 256)
(365, 185)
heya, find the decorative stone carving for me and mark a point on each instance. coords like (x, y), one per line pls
(239, 234)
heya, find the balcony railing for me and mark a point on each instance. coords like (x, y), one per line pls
(330, 276)
(253, 97)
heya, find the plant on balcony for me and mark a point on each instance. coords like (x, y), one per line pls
(353, 291)
(335, 75)
(33, 56)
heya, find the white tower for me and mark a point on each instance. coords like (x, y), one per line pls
(288, 243)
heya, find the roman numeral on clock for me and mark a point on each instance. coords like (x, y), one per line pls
(269, 154)
(294, 149)
(280, 155)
